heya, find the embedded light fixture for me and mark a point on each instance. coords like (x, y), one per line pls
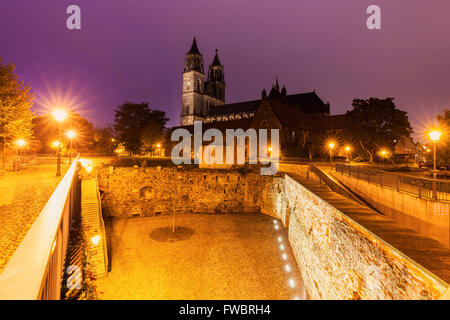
(95, 240)
(291, 283)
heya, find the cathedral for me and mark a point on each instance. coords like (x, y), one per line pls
(299, 116)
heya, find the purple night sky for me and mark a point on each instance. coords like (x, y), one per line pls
(134, 50)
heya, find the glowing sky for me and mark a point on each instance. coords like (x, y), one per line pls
(134, 50)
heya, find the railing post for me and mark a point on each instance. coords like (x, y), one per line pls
(420, 188)
(434, 190)
(397, 182)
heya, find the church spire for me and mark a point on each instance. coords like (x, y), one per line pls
(194, 48)
(194, 59)
(216, 61)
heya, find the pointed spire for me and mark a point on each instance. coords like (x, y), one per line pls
(216, 61)
(264, 93)
(276, 86)
(194, 48)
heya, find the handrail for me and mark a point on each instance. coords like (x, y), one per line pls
(425, 188)
(334, 185)
(35, 270)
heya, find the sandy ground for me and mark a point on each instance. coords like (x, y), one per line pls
(215, 257)
(22, 196)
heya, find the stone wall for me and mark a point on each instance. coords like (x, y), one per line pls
(340, 259)
(152, 191)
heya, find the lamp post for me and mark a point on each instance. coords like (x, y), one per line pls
(347, 149)
(331, 146)
(71, 135)
(434, 136)
(20, 143)
(59, 115)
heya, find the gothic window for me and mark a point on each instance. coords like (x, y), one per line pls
(188, 85)
(199, 85)
(186, 109)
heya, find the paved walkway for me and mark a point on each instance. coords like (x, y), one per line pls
(217, 257)
(23, 194)
(425, 251)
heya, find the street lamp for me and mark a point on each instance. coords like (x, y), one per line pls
(347, 150)
(71, 135)
(331, 145)
(60, 115)
(434, 136)
(20, 143)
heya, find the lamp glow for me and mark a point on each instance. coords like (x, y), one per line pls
(71, 134)
(60, 115)
(21, 142)
(435, 135)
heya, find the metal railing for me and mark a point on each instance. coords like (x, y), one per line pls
(36, 268)
(429, 189)
(333, 185)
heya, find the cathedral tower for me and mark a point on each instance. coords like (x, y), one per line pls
(193, 86)
(215, 87)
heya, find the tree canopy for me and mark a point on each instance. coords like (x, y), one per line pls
(16, 100)
(443, 147)
(46, 131)
(376, 123)
(137, 126)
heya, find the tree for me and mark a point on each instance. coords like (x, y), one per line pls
(137, 125)
(443, 147)
(104, 139)
(46, 131)
(376, 123)
(15, 103)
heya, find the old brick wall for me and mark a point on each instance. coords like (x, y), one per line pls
(339, 259)
(153, 191)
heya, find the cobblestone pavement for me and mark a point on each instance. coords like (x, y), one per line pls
(213, 257)
(22, 196)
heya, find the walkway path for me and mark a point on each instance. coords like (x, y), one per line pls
(219, 257)
(22, 196)
(425, 251)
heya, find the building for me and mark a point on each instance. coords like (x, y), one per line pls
(301, 117)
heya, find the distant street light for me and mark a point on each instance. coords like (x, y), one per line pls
(71, 135)
(347, 150)
(384, 154)
(60, 115)
(434, 136)
(20, 143)
(331, 145)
